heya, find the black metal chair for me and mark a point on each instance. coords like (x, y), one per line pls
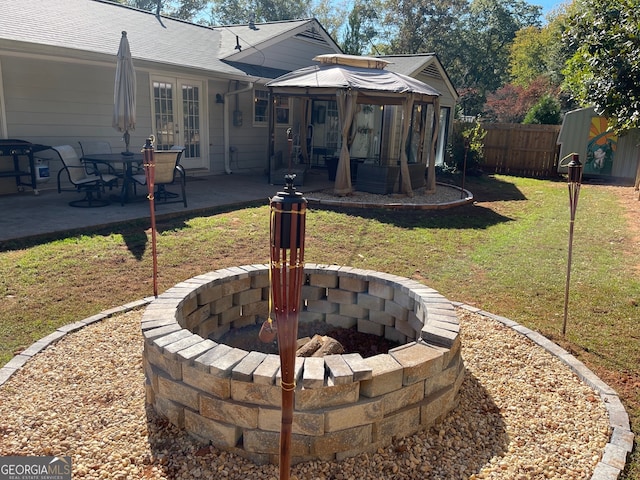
(89, 181)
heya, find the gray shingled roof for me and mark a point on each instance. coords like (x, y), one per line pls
(96, 26)
(406, 64)
(250, 36)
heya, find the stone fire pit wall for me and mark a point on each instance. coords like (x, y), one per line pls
(344, 404)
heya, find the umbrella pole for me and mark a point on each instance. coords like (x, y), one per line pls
(287, 229)
(127, 138)
(149, 171)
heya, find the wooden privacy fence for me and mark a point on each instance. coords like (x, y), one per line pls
(515, 149)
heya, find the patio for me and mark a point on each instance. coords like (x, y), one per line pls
(28, 215)
(25, 214)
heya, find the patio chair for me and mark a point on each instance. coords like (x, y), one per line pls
(167, 165)
(96, 147)
(91, 182)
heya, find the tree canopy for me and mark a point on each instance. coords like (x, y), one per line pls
(604, 71)
(482, 44)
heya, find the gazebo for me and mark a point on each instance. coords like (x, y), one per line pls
(407, 108)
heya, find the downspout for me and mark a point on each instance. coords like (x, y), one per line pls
(225, 126)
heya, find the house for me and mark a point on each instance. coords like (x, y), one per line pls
(197, 86)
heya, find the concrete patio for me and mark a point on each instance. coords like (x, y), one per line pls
(26, 215)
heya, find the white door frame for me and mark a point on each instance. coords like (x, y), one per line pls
(190, 158)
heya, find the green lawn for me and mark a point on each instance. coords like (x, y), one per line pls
(506, 254)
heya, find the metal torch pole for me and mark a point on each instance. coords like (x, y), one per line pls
(574, 170)
(149, 164)
(287, 233)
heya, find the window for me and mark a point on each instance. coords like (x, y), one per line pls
(261, 108)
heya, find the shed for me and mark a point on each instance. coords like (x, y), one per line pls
(603, 153)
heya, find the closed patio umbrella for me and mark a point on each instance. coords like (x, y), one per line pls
(124, 93)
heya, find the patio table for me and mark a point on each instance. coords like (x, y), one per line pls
(127, 162)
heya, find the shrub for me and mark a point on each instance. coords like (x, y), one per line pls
(545, 112)
(467, 138)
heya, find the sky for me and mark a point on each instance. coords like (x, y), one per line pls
(547, 5)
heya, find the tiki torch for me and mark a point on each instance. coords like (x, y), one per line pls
(574, 170)
(149, 164)
(287, 231)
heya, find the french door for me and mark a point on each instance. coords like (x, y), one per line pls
(178, 114)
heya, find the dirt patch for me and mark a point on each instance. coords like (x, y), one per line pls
(629, 201)
(365, 344)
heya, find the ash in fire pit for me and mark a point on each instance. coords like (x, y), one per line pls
(402, 374)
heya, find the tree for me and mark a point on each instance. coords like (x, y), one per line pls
(360, 29)
(511, 102)
(414, 26)
(604, 71)
(331, 15)
(545, 112)
(228, 12)
(527, 55)
(491, 28)
(182, 9)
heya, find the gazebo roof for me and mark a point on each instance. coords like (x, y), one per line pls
(349, 72)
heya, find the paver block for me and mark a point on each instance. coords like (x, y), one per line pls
(238, 414)
(220, 434)
(304, 423)
(361, 369)
(364, 413)
(399, 399)
(223, 365)
(244, 370)
(418, 361)
(197, 378)
(265, 373)
(313, 372)
(341, 440)
(387, 376)
(316, 398)
(178, 392)
(339, 371)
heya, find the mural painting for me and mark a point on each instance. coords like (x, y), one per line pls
(601, 148)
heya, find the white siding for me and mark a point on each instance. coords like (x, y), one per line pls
(57, 103)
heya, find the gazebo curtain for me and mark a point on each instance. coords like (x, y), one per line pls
(305, 116)
(407, 111)
(431, 171)
(346, 101)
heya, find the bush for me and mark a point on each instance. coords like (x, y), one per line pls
(467, 138)
(545, 112)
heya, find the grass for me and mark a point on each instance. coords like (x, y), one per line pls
(507, 254)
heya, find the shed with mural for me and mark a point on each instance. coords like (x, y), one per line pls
(603, 152)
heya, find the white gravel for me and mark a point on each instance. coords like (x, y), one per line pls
(522, 415)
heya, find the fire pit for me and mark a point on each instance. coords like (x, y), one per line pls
(344, 404)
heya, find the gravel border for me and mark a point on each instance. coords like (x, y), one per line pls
(594, 439)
